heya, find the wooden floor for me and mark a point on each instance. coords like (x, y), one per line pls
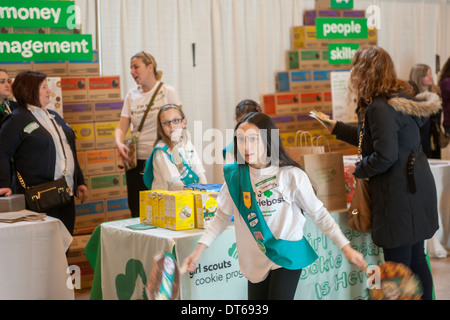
(440, 269)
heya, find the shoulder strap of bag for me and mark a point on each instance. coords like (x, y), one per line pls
(141, 125)
(361, 134)
(19, 176)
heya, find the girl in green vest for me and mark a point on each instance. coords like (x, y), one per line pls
(270, 197)
(173, 162)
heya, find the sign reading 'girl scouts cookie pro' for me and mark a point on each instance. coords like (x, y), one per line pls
(341, 28)
(29, 13)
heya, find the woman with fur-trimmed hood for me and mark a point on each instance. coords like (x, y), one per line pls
(402, 187)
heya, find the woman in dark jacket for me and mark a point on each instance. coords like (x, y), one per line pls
(402, 187)
(29, 137)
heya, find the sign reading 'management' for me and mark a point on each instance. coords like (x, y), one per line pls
(45, 47)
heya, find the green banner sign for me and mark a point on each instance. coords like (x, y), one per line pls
(341, 28)
(341, 4)
(341, 53)
(45, 47)
(32, 13)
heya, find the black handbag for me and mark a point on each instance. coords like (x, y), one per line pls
(48, 195)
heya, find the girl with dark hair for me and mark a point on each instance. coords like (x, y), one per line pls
(174, 162)
(269, 196)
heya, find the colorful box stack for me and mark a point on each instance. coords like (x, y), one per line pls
(331, 33)
(91, 104)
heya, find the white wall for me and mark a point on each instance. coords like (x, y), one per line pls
(240, 44)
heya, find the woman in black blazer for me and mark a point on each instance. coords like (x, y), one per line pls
(6, 105)
(30, 139)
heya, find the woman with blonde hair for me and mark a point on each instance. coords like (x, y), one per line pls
(402, 187)
(144, 71)
(421, 79)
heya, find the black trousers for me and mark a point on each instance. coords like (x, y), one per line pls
(414, 257)
(135, 183)
(280, 284)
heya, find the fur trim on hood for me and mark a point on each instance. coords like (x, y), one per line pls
(428, 103)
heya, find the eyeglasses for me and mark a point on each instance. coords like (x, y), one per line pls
(3, 81)
(174, 121)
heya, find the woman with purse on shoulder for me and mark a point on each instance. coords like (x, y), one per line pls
(174, 162)
(140, 108)
(402, 187)
(42, 146)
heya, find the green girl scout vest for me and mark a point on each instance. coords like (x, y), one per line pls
(291, 255)
(187, 175)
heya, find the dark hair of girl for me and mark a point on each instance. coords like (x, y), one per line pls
(270, 137)
(246, 106)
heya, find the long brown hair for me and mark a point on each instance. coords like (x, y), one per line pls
(160, 135)
(373, 75)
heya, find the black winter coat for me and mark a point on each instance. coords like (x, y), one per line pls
(404, 211)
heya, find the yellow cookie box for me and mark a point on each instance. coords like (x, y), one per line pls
(205, 207)
(173, 210)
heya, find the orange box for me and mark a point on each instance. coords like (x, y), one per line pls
(287, 103)
(104, 88)
(269, 103)
(100, 161)
(74, 89)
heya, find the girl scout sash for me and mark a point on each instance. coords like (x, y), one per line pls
(291, 255)
(229, 148)
(187, 175)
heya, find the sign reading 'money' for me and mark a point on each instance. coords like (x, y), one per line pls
(29, 13)
(341, 28)
(45, 47)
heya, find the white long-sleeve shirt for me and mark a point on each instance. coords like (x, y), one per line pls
(280, 197)
(165, 173)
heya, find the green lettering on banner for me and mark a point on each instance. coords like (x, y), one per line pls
(46, 47)
(341, 4)
(341, 53)
(341, 28)
(29, 13)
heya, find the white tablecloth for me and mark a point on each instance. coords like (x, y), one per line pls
(33, 264)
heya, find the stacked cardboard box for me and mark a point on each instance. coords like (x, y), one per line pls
(92, 107)
(305, 84)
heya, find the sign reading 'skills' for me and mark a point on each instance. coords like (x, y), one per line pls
(341, 28)
(341, 53)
